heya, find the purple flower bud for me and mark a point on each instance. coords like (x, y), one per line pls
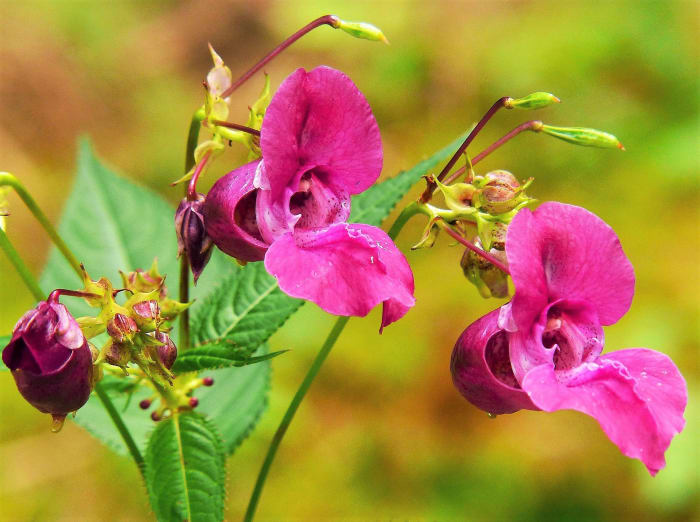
(194, 401)
(208, 381)
(145, 404)
(50, 359)
(155, 416)
(167, 353)
(192, 238)
(122, 328)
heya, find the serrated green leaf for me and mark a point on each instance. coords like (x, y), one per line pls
(375, 204)
(186, 470)
(218, 355)
(113, 224)
(240, 315)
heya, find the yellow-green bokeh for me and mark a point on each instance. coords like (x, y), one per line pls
(383, 435)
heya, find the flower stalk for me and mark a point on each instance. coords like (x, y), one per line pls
(289, 415)
(7, 179)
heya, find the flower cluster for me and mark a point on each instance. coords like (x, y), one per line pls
(543, 350)
(320, 145)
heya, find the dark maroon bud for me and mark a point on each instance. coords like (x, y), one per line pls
(192, 238)
(122, 328)
(155, 416)
(230, 216)
(145, 404)
(50, 359)
(194, 401)
(208, 381)
(167, 353)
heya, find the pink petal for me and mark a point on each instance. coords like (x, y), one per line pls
(563, 251)
(320, 120)
(632, 413)
(481, 368)
(659, 383)
(229, 215)
(315, 204)
(581, 327)
(346, 269)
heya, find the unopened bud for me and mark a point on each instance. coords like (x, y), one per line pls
(208, 381)
(489, 279)
(118, 354)
(155, 416)
(361, 30)
(167, 352)
(584, 136)
(536, 100)
(122, 328)
(146, 314)
(192, 238)
(145, 404)
(194, 401)
(500, 192)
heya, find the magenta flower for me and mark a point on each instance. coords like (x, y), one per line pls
(571, 278)
(50, 359)
(320, 145)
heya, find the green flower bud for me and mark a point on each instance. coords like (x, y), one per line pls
(536, 100)
(583, 136)
(361, 30)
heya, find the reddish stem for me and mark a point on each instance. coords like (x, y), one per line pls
(192, 187)
(235, 126)
(53, 296)
(491, 259)
(323, 20)
(533, 125)
(499, 104)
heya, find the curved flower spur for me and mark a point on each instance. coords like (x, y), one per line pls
(542, 350)
(320, 145)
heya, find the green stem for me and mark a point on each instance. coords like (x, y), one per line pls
(21, 268)
(406, 214)
(289, 415)
(192, 140)
(121, 427)
(7, 179)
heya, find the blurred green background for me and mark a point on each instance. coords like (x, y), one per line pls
(383, 435)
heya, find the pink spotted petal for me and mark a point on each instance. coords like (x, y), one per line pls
(320, 119)
(229, 215)
(566, 252)
(346, 269)
(481, 368)
(632, 413)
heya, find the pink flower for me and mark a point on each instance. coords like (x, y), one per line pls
(571, 278)
(320, 145)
